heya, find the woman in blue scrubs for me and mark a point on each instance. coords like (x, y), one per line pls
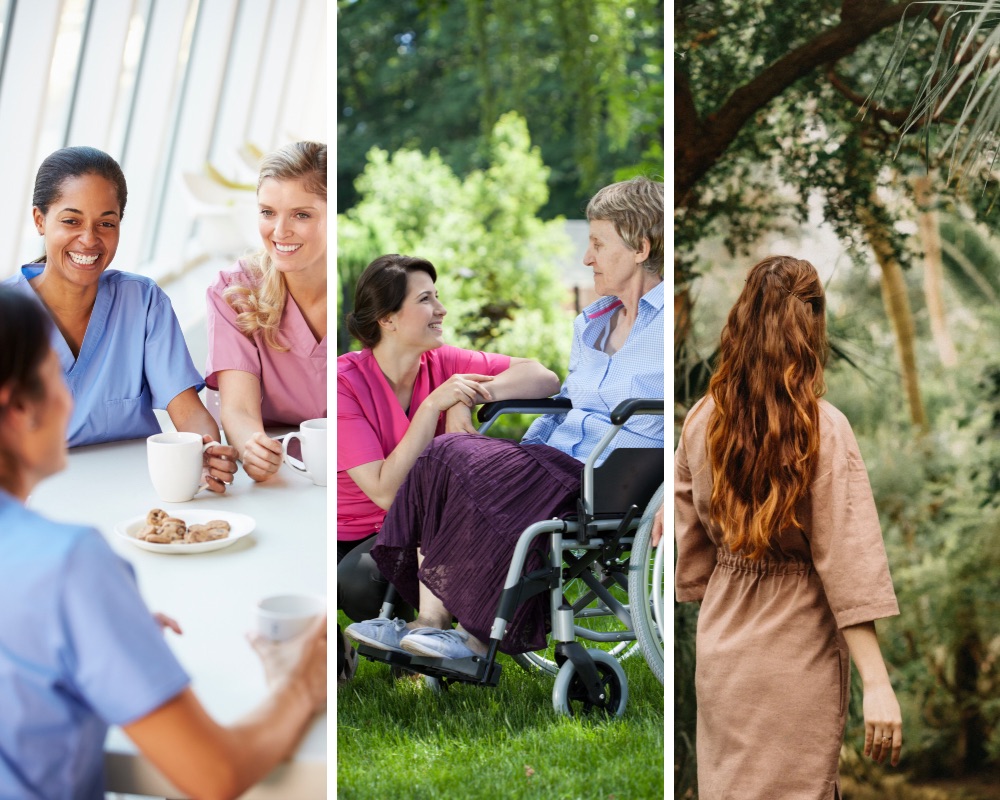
(79, 650)
(116, 336)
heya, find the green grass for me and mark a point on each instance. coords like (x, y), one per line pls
(399, 739)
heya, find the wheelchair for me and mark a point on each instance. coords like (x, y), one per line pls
(604, 579)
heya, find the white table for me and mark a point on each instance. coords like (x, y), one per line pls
(212, 595)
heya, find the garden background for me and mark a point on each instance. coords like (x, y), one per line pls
(776, 151)
(472, 134)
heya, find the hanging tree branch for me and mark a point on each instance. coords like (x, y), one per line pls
(700, 140)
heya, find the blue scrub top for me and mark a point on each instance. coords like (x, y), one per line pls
(133, 358)
(79, 650)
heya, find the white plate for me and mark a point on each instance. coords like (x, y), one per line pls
(240, 525)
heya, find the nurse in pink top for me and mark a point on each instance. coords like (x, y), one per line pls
(404, 388)
(267, 315)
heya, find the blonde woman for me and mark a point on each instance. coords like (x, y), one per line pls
(267, 315)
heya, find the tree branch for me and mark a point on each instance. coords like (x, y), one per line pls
(700, 142)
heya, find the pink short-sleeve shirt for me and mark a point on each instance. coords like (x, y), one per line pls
(370, 421)
(292, 382)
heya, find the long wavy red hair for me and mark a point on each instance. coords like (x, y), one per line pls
(763, 434)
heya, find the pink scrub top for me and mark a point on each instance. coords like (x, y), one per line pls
(371, 422)
(292, 382)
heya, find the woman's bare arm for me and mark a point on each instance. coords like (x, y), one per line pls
(240, 399)
(188, 413)
(208, 760)
(380, 480)
(881, 709)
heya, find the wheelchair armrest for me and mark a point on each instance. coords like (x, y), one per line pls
(635, 405)
(546, 405)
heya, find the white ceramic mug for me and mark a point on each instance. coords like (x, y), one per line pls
(175, 465)
(283, 616)
(312, 437)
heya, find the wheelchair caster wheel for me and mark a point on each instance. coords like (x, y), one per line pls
(569, 695)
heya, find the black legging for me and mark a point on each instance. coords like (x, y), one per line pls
(360, 588)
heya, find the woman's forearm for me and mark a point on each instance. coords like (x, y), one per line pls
(188, 413)
(862, 641)
(524, 380)
(207, 760)
(240, 425)
(381, 481)
(240, 401)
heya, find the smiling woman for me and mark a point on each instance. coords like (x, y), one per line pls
(116, 335)
(267, 315)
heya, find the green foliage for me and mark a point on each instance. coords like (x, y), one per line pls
(496, 259)
(423, 74)
(959, 90)
(809, 141)
(938, 504)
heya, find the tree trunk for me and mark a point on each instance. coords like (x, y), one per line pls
(897, 307)
(930, 237)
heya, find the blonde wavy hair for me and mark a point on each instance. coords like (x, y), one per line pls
(260, 304)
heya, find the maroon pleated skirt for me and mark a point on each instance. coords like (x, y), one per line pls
(464, 505)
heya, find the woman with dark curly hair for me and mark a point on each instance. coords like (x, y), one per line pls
(779, 539)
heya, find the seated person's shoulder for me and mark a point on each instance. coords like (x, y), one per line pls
(239, 274)
(48, 540)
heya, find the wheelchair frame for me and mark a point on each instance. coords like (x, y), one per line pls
(591, 679)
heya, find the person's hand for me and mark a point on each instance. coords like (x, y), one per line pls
(261, 456)
(882, 721)
(219, 465)
(657, 533)
(301, 659)
(467, 389)
(458, 419)
(167, 622)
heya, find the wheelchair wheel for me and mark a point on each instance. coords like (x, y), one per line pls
(647, 572)
(569, 696)
(591, 614)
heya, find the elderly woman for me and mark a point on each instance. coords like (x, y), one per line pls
(267, 315)
(779, 539)
(449, 535)
(115, 334)
(79, 650)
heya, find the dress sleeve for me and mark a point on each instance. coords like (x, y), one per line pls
(228, 346)
(845, 535)
(695, 551)
(115, 652)
(168, 364)
(357, 441)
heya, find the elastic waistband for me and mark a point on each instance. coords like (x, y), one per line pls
(764, 566)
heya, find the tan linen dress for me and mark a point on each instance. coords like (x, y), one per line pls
(773, 669)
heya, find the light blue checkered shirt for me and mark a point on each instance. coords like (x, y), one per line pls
(598, 382)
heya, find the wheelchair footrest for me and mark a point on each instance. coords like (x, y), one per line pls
(385, 656)
(475, 669)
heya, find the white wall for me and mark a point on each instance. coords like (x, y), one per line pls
(164, 87)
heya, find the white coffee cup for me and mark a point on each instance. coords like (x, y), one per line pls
(312, 436)
(175, 465)
(283, 616)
